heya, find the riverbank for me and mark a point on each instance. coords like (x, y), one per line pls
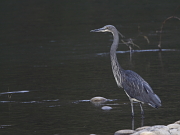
(171, 129)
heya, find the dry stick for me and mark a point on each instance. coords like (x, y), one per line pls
(126, 43)
(130, 41)
(146, 39)
(143, 35)
(163, 23)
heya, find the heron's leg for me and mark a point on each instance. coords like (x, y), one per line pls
(142, 122)
(132, 123)
(132, 109)
(142, 111)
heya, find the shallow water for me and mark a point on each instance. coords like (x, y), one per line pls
(51, 66)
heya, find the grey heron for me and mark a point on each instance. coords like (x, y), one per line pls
(135, 87)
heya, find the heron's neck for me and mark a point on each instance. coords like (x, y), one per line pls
(114, 61)
(116, 68)
(115, 42)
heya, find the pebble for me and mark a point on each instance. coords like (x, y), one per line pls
(171, 129)
(106, 108)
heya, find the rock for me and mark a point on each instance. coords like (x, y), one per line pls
(173, 126)
(106, 108)
(142, 128)
(174, 131)
(171, 129)
(178, 129)
(157, 130)
(147, 133)
(177, 122)
(98, 100)
(161, 132)
(124, 132)
(158, 127)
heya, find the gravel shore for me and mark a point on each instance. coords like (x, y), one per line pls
(171, 129)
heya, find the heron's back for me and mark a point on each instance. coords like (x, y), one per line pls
(136, 87)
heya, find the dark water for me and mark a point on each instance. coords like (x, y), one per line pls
(51, 65)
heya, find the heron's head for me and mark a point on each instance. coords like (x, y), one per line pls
(107, 28)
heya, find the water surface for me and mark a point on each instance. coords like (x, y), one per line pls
(51, 65)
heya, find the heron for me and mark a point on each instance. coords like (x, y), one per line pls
(135, 87)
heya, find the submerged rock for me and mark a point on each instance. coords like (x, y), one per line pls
(106, 108)
(98, 100)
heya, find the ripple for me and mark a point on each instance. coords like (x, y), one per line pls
(29, 102)
(133, 51)
(13, 92)
(55, 100)
(78, 101)
(3, 126)
(7, 101)
(54, 105)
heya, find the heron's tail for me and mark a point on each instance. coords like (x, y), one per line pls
(155, 101)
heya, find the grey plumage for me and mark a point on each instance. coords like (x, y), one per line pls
(136, 88)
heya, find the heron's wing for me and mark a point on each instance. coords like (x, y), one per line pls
(136, 87)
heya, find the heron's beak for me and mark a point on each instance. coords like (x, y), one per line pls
(98, 30)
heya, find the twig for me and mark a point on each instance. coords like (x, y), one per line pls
(163, 23)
